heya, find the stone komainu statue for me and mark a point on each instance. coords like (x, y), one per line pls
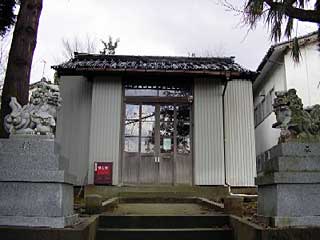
(37, 117)
(295, 122)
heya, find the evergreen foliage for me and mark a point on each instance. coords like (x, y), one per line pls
(109, 47)
(7, 16)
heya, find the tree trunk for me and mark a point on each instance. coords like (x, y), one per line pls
(17, 79)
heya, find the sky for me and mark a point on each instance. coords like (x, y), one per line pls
(149, 27)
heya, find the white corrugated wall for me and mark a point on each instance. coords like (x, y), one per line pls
(105, 124)
(239, 134)
(208, 133)
(73, 124)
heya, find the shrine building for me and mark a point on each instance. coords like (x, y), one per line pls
(157, 120)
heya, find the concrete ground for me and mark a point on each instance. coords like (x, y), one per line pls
(161, 209)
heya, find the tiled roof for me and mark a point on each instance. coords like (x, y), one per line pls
(91, 63)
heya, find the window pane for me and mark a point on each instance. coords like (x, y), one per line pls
(175, 93)
(141, 92)
(183, 128)
(132, 128)
(183, 144)
(167, 93)
(162, 88)
(166, 128)
(131, 144)
(255, 117)
(183, 112)
(167, 113)
(166, 144)
(148, 113)
(147, 145)
(263, 107)
(147, 129)
(132, 111)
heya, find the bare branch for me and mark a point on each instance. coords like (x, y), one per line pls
(88, 45)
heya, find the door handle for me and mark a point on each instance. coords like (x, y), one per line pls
(157, 159)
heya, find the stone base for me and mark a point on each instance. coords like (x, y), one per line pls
(289, 200)
(36, 199)
(51, 222)
(289, 185)
(35, 188)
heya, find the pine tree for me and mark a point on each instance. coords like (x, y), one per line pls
(7, 16)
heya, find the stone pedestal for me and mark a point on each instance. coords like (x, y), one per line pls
(35, 189)
(289, 185)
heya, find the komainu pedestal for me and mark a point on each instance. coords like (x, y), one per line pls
(289, 185)
(35, 188)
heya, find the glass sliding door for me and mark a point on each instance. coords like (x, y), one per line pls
(157, 141)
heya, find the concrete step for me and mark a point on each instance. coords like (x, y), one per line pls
(165, 234)
(212, 192)
(161, 222)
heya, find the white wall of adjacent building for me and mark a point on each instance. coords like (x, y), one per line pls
(305, 76)
(265, 135)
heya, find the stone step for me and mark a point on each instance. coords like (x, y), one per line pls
(154, 194)
(163, 222)
(165, 234)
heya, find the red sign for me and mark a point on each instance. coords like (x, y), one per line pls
(103, 173)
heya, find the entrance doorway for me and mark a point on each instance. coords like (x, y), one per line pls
(157, 146)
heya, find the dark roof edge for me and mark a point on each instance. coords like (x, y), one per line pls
(226, 74)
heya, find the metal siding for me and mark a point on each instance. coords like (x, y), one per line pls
(73, 124)
(208, 133)
(239, 134)
(105, 124)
